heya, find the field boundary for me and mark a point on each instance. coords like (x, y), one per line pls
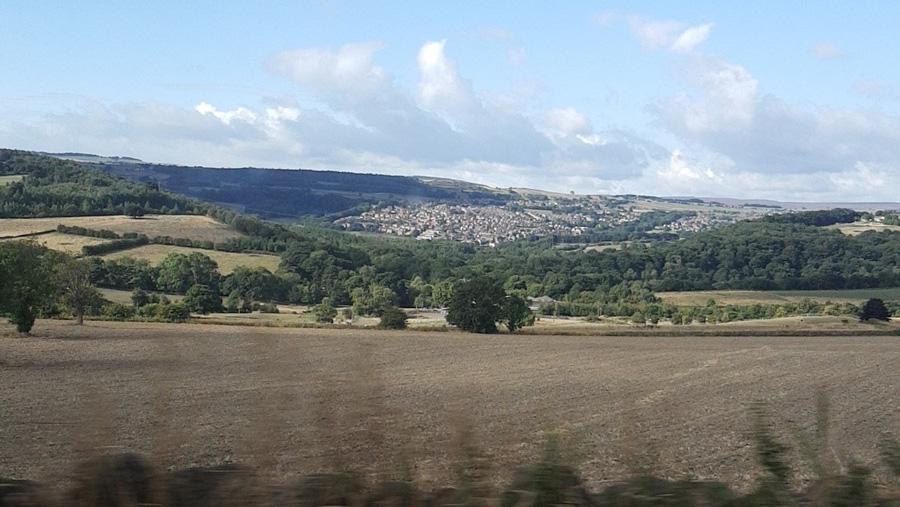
(28, 235)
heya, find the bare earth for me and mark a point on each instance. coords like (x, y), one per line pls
(297, 401)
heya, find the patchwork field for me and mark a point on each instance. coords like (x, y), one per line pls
(194, 227)
(749, 297)
(296, 401)
(860, 227)
(68, 243)
(227, 261)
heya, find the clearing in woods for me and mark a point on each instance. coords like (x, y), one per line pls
(227, 261)
(298, 401)
(10, 178)
(749, 297)
(195, 227)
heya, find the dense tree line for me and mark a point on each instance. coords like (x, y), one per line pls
(52, 187)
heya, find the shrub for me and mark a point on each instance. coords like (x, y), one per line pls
(118, 311)
(392, 318)
(325, 313)
(174, 312)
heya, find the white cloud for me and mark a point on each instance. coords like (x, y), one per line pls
(654, 34)
(350, 72)
(826, 51)
(441, 88)
(690, 38)
(566, 122)
(724, 115)
(671, 35)
(226, 117)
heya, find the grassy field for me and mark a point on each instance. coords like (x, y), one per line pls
(194, 227)
(299, 401)
(68, 243)
(11, 178)
(860, 227)
(749, 297)
(227, 261)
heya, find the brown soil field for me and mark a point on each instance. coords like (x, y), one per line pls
(297, 401)
(227, 261)
(195, 227)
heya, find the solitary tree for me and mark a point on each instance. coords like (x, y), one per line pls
(28, 281)
(875, 309)
(74, 278)
(476, 305)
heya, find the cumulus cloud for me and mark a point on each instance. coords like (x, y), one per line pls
(671, 35)
(826, 51)
(355, 117)
(723, 113)
(441, 88)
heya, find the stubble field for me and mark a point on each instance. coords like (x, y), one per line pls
(297, 401)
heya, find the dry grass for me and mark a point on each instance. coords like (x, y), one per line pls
(227, 261)
(68, 243)
(365, 399)
(749, 297)
(859, 227)
(10, 178)
(194, 227)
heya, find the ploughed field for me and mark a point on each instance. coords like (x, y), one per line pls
(299, 401)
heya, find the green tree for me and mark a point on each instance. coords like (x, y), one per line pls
(28, 281)
(516, 313)
(201, 299)
(74, 279)
(133, 210)
(874, 309)
(392, 317)
(324, 312)
(139, 297)
(373, 300)
(477, 305)
(178, 272)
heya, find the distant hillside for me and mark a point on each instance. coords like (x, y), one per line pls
(280, 193)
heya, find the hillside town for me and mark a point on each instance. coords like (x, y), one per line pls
(519, 219)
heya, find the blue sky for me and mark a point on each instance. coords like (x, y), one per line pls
(783, 100)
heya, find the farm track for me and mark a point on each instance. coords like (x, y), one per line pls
(297, 401)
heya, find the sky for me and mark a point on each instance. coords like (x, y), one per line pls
(793, 101)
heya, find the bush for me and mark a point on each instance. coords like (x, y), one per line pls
(392, 318)
(174, 312)
(325, 313)
(118, 312)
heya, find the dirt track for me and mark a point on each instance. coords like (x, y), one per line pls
(296, 401)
